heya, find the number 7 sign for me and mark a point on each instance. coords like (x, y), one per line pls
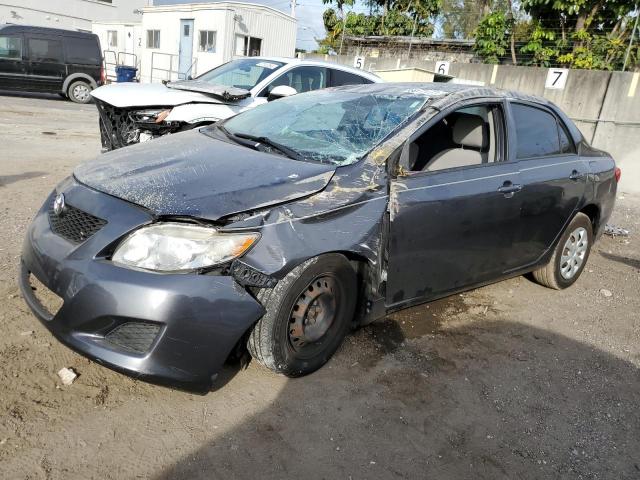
(556, 78)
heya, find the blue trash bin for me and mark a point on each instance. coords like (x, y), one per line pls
(125, 73)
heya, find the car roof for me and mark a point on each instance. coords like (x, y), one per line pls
(319, 63)
(45, 30)
(441, 92)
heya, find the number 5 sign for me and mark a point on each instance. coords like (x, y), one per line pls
(358, 62)
(556, 78)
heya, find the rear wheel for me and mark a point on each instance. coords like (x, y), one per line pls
(308, 314)
(79, 92)
(570, 255)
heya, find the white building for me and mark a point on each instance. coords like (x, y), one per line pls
(69, 14)
(176, 41)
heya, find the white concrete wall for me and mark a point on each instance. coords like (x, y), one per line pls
(68, 14)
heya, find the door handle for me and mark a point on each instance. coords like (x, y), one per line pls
(509, 189)
(576, 175)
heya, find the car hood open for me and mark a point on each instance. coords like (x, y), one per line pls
(124, 95)
(192, 174)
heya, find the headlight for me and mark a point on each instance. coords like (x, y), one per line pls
(171, 247)
(150, 115)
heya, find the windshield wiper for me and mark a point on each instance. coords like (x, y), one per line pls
(289, 152)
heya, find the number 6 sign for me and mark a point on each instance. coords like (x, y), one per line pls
(556, 78)
(442, 68)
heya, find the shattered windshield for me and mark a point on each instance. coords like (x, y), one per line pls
(328, 126)
(244, 73)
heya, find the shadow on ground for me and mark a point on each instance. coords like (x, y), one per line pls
(494, 399)
(43, 96)
(631, 262)
(8, 179)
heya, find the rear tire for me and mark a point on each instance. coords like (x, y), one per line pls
(570, 255)
(308, 314)
(79, 92)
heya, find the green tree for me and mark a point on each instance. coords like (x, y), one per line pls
(391, 17)
(493, 36)
(589, 34)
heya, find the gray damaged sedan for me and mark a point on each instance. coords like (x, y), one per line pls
(279, 230)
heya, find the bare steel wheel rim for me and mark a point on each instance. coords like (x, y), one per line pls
(573, 253)
(313, 313)
(81, 92)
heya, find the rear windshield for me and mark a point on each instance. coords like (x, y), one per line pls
(84, 51)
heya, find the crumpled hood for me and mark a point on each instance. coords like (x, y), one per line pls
(130, 94)
(192, 174)
(228, 94)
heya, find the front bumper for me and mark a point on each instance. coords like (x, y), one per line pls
(198, 318)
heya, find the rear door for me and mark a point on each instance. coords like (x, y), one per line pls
(46, 67)
(12, 65)
(453, 217)
(553, 177)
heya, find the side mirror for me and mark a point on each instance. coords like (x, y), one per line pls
(281, 91)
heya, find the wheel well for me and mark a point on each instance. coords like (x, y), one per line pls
(593, 212)
(77, 79)
(71, 79)
(364, 271)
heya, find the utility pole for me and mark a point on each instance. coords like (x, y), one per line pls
(413, 32)
(633, 32)
(293, 8)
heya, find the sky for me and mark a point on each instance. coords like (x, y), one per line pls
(308, 13)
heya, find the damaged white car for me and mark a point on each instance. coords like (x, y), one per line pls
(132, 113)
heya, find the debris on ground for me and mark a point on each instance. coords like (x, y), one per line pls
(606, 293)
(615, 231)
(67, 375)
(26, 333)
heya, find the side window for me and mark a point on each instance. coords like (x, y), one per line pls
(11, 47)
(82, 51)
(153, 38)
(112, 38)
(469, 136)
(339, 78)
(536, 132)
(45, 50)
(303, 79)
(207, 41)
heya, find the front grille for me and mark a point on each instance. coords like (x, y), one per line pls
(74, 224)
(117, 129)
(134, 336)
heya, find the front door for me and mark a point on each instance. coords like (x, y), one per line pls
(186, 49)
(454, 216)
(129, 39)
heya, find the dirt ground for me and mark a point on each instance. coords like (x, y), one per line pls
(509, 381)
